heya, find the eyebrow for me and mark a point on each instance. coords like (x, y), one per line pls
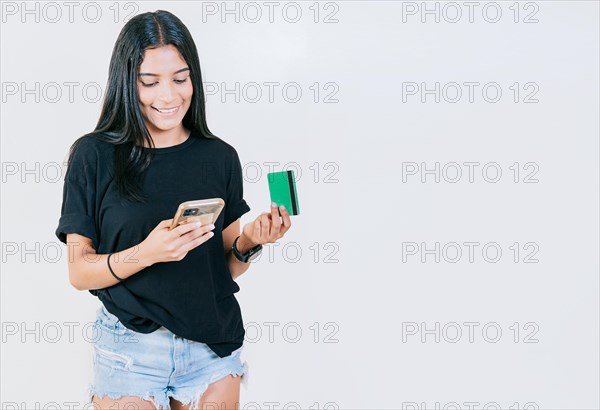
(156, 75)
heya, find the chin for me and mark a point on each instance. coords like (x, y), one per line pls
(166, 126)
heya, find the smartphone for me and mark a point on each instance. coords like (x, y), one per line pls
(204, 210)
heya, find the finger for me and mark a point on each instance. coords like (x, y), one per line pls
(194, 237)
(203, 237)
(286, 220)
(285, 216)
(187, 227)
(197, 232)
(280, 231)
(275, 220)
(265, 225)
(256, 231)
(165, 223)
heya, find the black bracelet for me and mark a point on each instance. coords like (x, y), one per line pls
(109, 268)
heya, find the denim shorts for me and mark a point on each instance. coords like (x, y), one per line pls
(155, 366)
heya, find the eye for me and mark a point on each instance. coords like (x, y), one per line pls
(156, 82)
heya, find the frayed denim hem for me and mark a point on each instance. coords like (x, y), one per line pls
(194, 401)
(158, 402)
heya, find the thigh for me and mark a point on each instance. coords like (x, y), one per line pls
(223, 394)
(131, 369)
(124, 403)
(208, 379)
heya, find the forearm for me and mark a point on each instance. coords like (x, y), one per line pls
(237, 267)
(90, 270)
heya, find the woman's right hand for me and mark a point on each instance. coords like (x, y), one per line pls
(163, 245)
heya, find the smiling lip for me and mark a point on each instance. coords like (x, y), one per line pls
(166, 111)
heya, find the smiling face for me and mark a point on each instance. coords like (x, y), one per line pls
(164, 89)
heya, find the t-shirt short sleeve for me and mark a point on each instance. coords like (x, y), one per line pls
(235, 205)
(78, 204)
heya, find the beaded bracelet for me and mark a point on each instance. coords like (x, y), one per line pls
(109, 268)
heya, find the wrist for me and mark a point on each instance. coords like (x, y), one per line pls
(143, 257)
(244, 244)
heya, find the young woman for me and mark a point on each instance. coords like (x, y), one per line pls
(170, 327)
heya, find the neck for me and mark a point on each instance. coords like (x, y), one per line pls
(163, 139)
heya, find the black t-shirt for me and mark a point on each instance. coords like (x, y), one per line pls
(193, 298)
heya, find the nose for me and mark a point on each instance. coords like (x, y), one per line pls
(165, 92)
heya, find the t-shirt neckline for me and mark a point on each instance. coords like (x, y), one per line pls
(165, 150)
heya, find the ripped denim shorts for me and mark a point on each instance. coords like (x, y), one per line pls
(155, 366)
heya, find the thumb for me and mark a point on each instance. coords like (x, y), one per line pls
(165, 223)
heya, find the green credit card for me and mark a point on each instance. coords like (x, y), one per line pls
(282, 187)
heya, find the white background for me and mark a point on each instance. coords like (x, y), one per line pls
(361, 208)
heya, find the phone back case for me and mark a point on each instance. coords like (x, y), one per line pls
(204, 210)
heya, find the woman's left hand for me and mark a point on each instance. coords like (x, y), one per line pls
(267, 227)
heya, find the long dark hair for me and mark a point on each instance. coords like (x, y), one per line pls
(121, 122)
